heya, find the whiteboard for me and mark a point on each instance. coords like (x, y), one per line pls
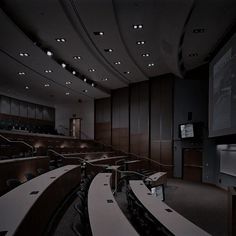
(228, 162)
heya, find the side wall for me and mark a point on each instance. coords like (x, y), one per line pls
(138, 119)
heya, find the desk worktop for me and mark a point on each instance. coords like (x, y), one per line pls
(106, 158)
(23, 159)
(16, 204)
(169, 218)
(106, 218)
(157, 175)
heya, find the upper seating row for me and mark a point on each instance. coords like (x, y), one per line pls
(40, 144)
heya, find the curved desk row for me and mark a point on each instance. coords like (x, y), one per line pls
(106, 218)
(169, 218)
(18, 167)
(27, 209)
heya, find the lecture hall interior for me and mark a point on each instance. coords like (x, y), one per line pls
(117, 117)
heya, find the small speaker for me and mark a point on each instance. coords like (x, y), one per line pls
(190, 116)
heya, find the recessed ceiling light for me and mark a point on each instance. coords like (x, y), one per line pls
(63, 65)
(108, 50)
(193, 54)
(145, 55)
(67, 93)
(140, 42)
(150, 64)
(49, 53)
(117, 63)
(85, 90)
(68, 82)
(61, 40)
(85, 79)
(74, 72)
(21, 73)
(140, 26)
(91, 70)
(26, 87)
(48, 71)
(127, 72)
(46, 85)
(92, 84)
(98, 33)
(23, 54)
(104, 79)
(199, 30)
(76, 57)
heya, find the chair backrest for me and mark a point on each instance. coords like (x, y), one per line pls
(12, 183)
(52, 167)
(29, 176)
(41, 171)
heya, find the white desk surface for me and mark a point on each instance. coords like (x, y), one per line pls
(106, 158)
(22, 159)
(112, 167)
(132, 161)
(106, 219)
(156, 176)
(173, 221)
(85, 153)
(15, 204)
(22, 132)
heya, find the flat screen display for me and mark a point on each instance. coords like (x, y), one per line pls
(186, 131)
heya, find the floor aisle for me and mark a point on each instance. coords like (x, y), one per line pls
(204, 205)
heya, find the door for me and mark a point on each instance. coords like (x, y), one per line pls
(75, 127)
(192, 164)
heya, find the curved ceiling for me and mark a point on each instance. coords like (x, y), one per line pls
(146, 39)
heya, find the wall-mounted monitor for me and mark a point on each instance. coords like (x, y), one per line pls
(191, 130)
(186, 131)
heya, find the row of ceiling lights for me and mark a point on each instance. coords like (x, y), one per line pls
(110, 50)
(49, 53)
(48, 85)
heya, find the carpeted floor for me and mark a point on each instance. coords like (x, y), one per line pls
(64, 227)
(204, 205)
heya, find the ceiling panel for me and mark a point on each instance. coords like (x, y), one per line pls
(32, 26)
(213, 19)
(13, 42)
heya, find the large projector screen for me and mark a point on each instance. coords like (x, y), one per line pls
(222, 91)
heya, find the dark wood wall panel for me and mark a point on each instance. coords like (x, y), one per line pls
(139, 119)
(103, 120)
(120, 119)
(166, 108)
(161, 117)
(142, 117)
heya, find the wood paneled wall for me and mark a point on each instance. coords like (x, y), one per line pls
(120, 119)
(139, 119)
(142, 117)
(161, 119)
(103, 120)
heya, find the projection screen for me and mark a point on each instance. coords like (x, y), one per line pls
(222, 91)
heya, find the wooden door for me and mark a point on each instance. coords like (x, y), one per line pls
(192, 164)
(75, 127)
